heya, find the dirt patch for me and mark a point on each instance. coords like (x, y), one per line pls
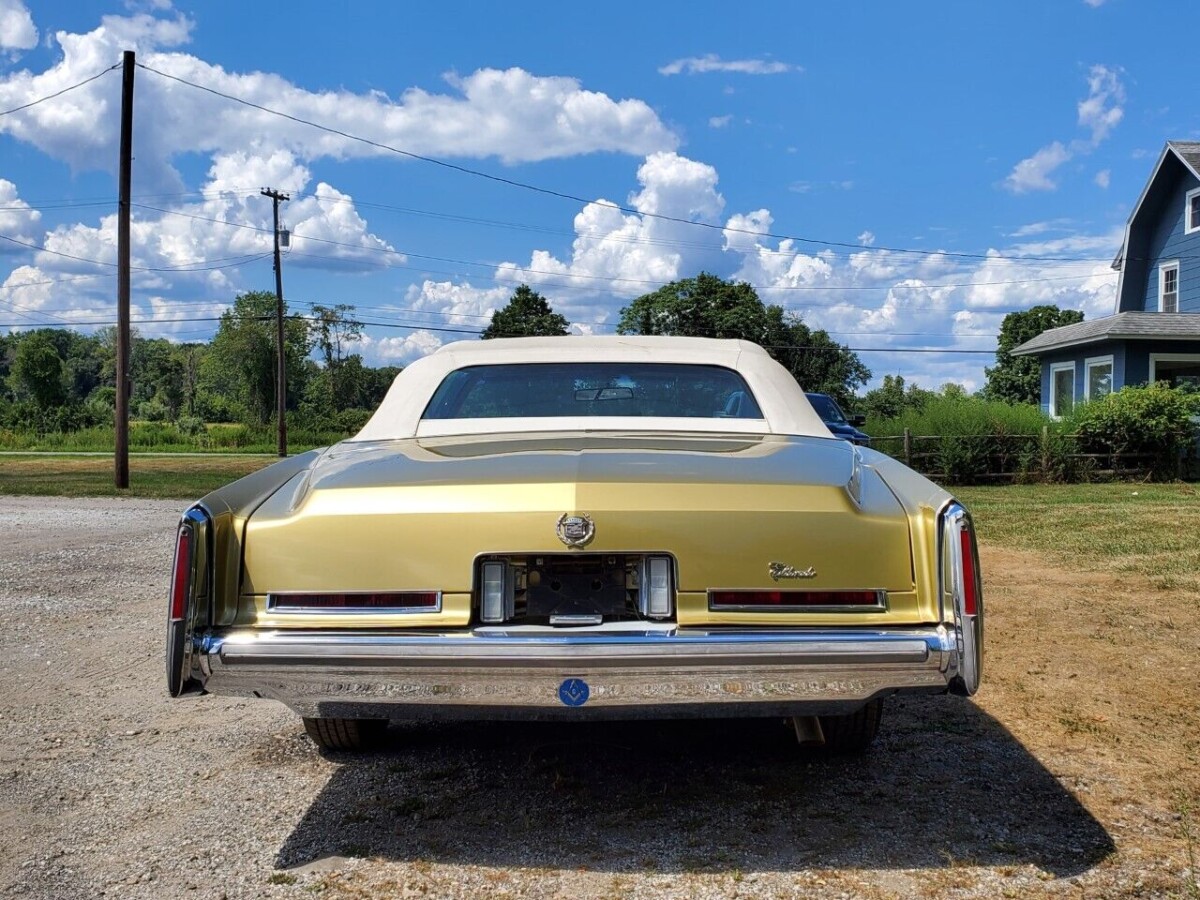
(1069, 776)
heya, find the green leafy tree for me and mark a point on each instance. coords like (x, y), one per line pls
(709, 306)
(894, 398)
(241, 361)
(819, 363)
(527, 314)
(333, 328)
(37, 370)
(1018, 379)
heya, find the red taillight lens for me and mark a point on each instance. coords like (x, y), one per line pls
(784, 599)
(970, 581)
(423, 600)
(181, 578)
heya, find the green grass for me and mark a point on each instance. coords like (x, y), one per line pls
(1139, 529)
(183, 478)
(163, 437)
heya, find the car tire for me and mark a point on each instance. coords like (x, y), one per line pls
(346, 734)
(852, 733)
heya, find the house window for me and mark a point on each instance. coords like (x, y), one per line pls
(1098, 377)
(1191, 212)
(1062, 389)
(1176, 369)
(1168, 287)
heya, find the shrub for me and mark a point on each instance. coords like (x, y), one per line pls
(1152, 423)
(152, 411)
(974, 437)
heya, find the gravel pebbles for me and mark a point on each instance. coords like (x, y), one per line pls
(110, 789)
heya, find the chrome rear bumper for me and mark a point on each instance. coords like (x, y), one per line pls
(657, 672)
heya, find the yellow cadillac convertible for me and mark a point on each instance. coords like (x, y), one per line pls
(577, 528)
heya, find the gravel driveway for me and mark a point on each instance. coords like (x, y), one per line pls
(108, 788)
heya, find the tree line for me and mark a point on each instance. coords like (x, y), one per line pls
(59, 380)
(55, 379)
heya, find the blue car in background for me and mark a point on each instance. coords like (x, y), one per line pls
(836, 421)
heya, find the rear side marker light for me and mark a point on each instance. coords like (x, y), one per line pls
(181, 577)
(792, 599)
(409, 600)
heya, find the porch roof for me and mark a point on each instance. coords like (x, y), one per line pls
(1140, 326)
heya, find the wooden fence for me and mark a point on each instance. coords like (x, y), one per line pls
(1006, 458)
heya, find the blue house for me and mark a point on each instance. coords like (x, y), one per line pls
(1154, 332)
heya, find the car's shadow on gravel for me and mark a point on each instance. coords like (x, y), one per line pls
(945, 785)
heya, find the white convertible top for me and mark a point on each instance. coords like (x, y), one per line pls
(785, 408)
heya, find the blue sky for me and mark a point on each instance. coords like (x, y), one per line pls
(901, 175)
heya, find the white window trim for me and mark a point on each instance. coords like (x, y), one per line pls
(1156, 358)
(1087, 372)
(1187, 208)
(1060, 367)
(1163, 268)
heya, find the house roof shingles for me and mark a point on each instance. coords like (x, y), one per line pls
(1126, 325)
(1189, 152)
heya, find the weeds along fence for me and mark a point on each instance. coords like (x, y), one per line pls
(1021, 458)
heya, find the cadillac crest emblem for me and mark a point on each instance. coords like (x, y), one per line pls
(575, 530)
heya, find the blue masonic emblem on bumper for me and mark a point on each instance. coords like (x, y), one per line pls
(574, 692)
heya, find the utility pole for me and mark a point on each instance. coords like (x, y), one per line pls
(125, 175)
(281, 368)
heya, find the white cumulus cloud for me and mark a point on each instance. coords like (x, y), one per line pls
(1099, 113)
(627, 254)
(1101, 110)
(1033, 174)
(17, 220)
(510, 114)
(17, 31)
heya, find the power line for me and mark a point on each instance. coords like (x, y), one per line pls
(25, 206)
(607, 278)
(200, 266)
(65, 90)
(29, 284)
(476, 333)
(562, 195)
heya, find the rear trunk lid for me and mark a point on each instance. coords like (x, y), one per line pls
(416, 514)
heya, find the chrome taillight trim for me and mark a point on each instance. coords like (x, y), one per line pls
(350, 610)
(881, 604)
(197, 602)
(953, 522)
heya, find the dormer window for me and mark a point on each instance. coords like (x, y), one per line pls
(1168, 287)
(1191, 212)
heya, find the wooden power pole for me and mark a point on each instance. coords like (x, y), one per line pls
(281, 367)
(125, 168)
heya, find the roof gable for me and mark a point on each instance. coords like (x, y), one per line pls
(1186, 153)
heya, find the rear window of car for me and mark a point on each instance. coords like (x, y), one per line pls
(827, 409)
(559, 390)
